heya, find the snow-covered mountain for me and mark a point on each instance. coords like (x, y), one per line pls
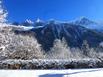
(74, 34)
(85, 22)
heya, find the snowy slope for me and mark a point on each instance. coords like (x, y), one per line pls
(71, 73)
(85, 22)
(16, 73)
(53, 73)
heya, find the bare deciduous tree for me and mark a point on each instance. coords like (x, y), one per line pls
(19, 46)
(60, 50)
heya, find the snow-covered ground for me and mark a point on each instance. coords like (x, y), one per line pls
(53, 73)
(71, 73)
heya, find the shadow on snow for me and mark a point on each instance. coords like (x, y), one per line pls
(61, 75)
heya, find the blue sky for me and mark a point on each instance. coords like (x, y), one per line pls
(65, 10)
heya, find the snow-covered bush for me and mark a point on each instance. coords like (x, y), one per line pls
(77, 53)
(60, 50)
(50, 64)
(3, 12)
(26, 47)
(19, 46)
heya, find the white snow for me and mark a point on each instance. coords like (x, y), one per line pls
(53, 73)
(26, 28)
(19, 27)
(38, 27)
(38, 20)
(29, 21)
(85, 22)
(3, 12)
(17, 73)
(70, 73)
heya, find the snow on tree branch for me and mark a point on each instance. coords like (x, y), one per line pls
(3, 12)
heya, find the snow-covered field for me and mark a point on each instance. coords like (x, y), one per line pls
(53, 73)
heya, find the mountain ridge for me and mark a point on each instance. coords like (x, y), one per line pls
(73, 33)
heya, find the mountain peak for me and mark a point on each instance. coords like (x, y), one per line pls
(87, 23)
(29, 21)
(38, 20)
(84, 21)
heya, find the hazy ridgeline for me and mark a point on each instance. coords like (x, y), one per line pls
(19, 46)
